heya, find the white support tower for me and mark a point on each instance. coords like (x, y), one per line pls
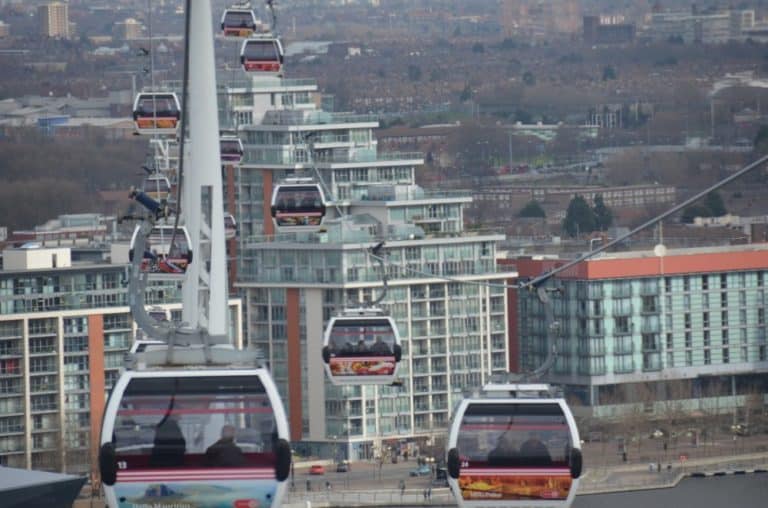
(205, 289)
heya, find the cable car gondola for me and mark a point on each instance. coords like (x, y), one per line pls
(156, 113)
(298, 205)
(515, 446)
(231, 149)
(361, 346)
(230, 226)
(238, 22)
(156, 186)
(195, 437)
(262, 54)
(159, 256)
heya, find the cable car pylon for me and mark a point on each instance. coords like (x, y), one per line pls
(194, 421)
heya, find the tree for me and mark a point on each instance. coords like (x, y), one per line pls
(465, 94)
(532, 209)
(528, 78)
(603, 214)
(478, 48)
(693, 211)
(711, 206)
(609, 73)
(760, 142)
(714, 203)
(579, 218)
(414, 72)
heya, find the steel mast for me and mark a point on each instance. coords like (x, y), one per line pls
(204, 292)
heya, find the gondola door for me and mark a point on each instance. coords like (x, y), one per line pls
(202, 438)
(514, 452)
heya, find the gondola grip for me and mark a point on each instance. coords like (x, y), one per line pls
(108, 464)
(326, 354)
(454, 464)
(576, 463)
(282, 460)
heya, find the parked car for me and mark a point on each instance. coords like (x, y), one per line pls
(342, 467)
(316, 469)
(423, 470)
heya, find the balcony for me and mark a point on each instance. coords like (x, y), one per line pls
(624, 368)
(595, 349)
(649, 289)
(623, 347)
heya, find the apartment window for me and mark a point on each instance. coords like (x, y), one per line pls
(725, 337)
(686, 283)
(688, 340)
(689, 358)
(669, 341)
(669, 322)
(760, 279)
(342, 175)
(706, 338)
(726, 355)
(724, 318)
(704, 319)
(742, 317)
(743, 334)
(707, 357)
(687, 320)
(668, 284)
(705, 300)
(670, 359)
(761, 353)
(705, 282)
(744, 354)
(621, 324)
(760, 316)
(742, 298)
(687, 302)
(723, 280)
(723, 299)
(649, 304)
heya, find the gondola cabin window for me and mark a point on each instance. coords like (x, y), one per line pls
(194, 422)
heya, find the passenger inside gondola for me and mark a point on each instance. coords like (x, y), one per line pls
(224, 452)
(534, 452)
(380, 347)
(506, 453)
(169, 444)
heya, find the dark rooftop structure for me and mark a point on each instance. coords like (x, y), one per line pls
(23, 488)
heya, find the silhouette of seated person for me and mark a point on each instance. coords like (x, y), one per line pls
(505, 453)
(224, 452)
(535, 453)
(169, 445)
(380, 347)
(361, 347)
(308, 203)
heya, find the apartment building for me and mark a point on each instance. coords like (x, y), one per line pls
(677, 327)
(64, 330)
(450, 315)
(54, 20)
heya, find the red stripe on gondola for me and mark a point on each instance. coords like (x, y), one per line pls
(514, 472)
(194, 411)
(514, 426)
(199, 478)
(145, 475)
(351, 357)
